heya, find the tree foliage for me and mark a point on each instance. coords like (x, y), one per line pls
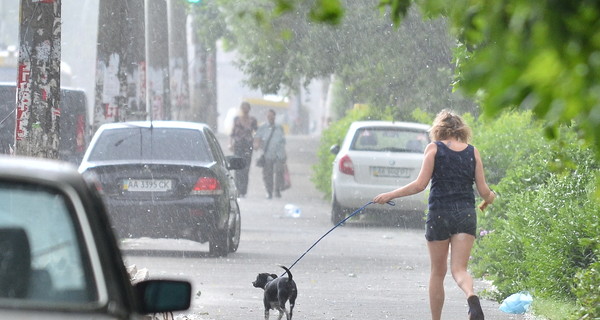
(541, 55)
(208, 22)
(282, 47)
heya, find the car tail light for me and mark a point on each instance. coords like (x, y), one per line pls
(346, 165)
(207, 186)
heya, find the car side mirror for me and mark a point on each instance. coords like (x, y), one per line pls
(334, 149)
(158, 296)
(235, 162)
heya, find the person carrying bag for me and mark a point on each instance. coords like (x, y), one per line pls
(271, 138)
(260, 162)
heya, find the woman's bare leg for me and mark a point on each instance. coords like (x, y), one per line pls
(438, 256)
(460, 252)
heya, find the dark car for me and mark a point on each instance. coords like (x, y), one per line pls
(167, 179)
(59, 258)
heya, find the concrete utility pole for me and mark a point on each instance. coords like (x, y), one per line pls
(38, 82)
(211, 86)
(157, 60)
(121, 62)
(178, 60)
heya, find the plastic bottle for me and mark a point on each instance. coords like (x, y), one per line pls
(292, 211)
(296, 213)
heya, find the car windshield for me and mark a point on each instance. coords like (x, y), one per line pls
(41, 256)
(390, 139)
(138, 143)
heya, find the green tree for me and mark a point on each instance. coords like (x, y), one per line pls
(541, 55)
(377, 63)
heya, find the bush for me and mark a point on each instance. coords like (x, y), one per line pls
(541, 220)
(507, 141)
(587, 290)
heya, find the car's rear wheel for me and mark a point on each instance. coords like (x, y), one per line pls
(218, 244)
(236, 230)
(338, 213)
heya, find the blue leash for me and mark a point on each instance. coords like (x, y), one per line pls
(391, 203)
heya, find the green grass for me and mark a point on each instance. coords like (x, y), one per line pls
(553, 309)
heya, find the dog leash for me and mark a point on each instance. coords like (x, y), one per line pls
(391, 203)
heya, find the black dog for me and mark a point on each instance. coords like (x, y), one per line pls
(277, 292)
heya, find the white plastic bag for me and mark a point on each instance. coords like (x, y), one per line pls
(517, 303)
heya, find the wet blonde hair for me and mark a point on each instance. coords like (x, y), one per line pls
(448, 124)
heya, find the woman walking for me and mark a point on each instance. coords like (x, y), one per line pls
(452, 165)
(242, 140)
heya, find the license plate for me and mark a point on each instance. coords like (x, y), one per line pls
(391, 172)
(147, 185)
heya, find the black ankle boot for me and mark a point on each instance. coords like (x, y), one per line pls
(475, 312)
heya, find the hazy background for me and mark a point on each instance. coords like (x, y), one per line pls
(78, 50)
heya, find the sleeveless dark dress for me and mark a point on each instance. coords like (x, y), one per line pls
(452, 179)
(451, 197)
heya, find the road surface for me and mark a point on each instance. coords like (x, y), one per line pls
(359, 271)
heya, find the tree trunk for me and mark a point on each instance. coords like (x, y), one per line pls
(38, 82)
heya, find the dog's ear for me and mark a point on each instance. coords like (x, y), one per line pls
(273, 275)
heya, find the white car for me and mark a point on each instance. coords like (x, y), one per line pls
(376, 157)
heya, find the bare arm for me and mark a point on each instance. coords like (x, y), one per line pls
(417, 185)
(482, 187)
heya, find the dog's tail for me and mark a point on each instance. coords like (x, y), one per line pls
(289, 273)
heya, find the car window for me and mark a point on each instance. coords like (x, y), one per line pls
(41, 254)
(217, 151)
(389, 139)
(137, 143)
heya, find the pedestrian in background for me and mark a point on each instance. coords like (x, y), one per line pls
(241, 143)
(452, 165)
(271, 138)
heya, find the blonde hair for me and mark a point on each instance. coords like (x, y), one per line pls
(448, 124)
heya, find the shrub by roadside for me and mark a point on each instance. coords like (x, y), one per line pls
(542, 234)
